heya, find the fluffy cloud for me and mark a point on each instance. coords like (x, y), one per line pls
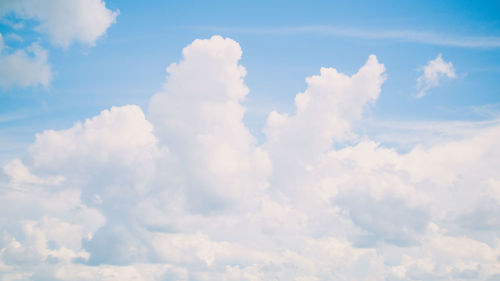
(24, 67)
(325, 113)
(184, 192)
(65, 21)
(433, 73)
(198, 116)
(119, 135)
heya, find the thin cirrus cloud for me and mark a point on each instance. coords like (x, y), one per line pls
(184, 191)
(429, 38)
(65, 22)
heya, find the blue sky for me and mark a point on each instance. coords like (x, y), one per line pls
(249, 140)
(127, 64)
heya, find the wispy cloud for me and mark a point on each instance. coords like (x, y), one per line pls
(422, 37)
(405, 135)
(433, 73)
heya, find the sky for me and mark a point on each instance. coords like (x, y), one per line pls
(249, 140)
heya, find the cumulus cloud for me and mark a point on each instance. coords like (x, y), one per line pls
(185, 192)
(435, 70)
(24, 67)
(198, 116)
(65, 21)
(325, 113)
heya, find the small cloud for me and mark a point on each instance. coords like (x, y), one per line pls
(65, 22)
(14, 37)
(433, 73)
(24, 67)
(14, 24)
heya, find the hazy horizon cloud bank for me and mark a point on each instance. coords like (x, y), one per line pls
(184, 192)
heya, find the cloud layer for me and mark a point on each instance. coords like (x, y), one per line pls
(184, 192)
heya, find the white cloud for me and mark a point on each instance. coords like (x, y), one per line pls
(118, 135)
(186, 193)
(198, 116)
(65, 21)
(111, 155)
(19, 174)
(325, 113)
(24, 67)
(433, 73)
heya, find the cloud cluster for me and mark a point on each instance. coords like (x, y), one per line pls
(433, 73)
(63, 21)
(184, 192)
